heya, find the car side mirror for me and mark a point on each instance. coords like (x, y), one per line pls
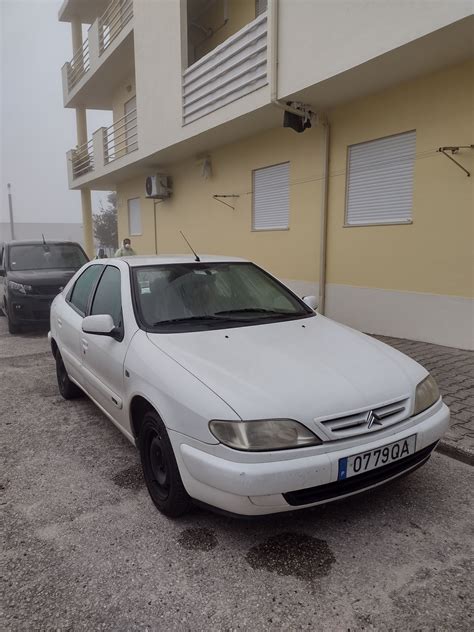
(99, 325)
(311, 301)
(2, 272)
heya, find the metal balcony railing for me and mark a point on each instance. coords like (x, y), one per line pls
(121, 137)
(82, 159)
(79, 65)
(111, 23)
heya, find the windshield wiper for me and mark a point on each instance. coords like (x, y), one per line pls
(258, 310)
(191, 319)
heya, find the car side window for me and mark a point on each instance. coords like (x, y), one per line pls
(108, 297)
(83, 287)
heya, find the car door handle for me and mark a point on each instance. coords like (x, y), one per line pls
(85, 344)
(60, 322)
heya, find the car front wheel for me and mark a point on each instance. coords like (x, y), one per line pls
(160, 469)
(13, 327)
(67, 388)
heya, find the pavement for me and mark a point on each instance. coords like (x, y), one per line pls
(84, 548)
(453, 369)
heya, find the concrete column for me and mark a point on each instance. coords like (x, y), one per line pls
(86, 199)
(86, 202)
(81, 126)
(76, 32)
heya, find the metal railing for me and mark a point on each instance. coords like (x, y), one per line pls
(111, 23)
(121, 137)
(79, 65)
(83, 159)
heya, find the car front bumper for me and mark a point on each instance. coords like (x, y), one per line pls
(261, 483)
(28, 310)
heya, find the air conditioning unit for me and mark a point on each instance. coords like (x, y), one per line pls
(158, 187)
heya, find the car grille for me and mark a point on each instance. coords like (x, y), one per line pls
(360, 482)
(46, 290)
(360, 423)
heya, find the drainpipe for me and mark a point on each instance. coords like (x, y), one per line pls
(324, 221)
(322, 120)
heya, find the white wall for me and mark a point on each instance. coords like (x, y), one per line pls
(159, 66)
(322, 38)
(31, 230)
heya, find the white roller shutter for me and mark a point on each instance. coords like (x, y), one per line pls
(134, 217)
(260, 7)
(271, 197)
(380, 180)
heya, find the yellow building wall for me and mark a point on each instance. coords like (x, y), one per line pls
(435, 254)
(124, 93)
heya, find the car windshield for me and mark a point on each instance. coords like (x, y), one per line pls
(204, 295)
(46, 257)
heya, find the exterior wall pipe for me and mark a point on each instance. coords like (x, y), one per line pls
(324, 222)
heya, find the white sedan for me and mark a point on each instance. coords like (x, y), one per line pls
(237, 393)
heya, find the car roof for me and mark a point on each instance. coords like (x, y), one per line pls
(40, 242)
(154, 260)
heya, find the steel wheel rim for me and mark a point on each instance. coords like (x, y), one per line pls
(157, 466)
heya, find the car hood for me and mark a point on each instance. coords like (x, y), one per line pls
(41, 277)
(301, 369)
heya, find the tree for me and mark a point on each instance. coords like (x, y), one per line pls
(105, 223)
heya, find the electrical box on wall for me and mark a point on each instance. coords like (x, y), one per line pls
(158, 187)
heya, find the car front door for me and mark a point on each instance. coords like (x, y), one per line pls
(69, 316)
(103, 357)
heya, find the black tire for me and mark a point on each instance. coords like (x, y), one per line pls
(67, 388)
(160, 469)
(13, 328)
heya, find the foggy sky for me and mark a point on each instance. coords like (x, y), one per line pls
(35, 130)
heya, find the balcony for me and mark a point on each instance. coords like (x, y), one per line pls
(106, 56)
(82, 160)
(235, 68)
(108, 149)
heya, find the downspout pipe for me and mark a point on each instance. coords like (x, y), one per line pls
(274, 21)
(323, 238)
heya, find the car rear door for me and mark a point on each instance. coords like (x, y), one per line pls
(103, 357)
(69, 316)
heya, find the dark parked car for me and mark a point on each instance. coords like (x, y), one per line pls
(32, 273)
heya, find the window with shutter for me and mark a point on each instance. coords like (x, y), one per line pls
(260, 7)
(271, 197)
(134, 217)
(380, 181)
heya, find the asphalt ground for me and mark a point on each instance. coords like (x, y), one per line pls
(83, 547)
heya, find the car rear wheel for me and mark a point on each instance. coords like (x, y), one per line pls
(67, 388)
(160, 469)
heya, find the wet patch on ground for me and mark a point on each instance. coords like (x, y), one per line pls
(294, 554)
(197, 539)
(131, 478)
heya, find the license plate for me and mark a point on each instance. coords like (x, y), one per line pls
(372, 459)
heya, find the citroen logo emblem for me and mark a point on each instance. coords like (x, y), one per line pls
(372, 419)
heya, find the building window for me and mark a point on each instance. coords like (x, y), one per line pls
(380, 181)
(260, 7)
(134, 217)
(271, 197)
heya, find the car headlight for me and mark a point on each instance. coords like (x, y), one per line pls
(427, 394)
(265, 434)
(19, 287)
